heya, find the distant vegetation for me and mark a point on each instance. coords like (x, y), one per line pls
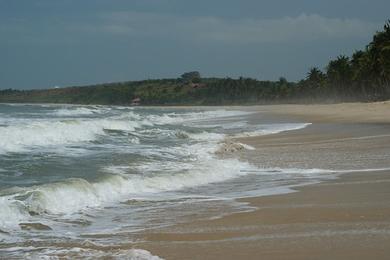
(363, 77)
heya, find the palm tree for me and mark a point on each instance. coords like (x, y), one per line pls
(339, 74)
(315, 76)
(314, 83)
(378, 52)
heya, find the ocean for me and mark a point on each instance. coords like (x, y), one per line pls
(80, 180)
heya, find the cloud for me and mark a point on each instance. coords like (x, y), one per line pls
(233, 31)
(188, 29)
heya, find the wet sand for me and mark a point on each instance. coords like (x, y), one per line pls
(344, 218)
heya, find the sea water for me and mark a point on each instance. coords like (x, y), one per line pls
(74, 176)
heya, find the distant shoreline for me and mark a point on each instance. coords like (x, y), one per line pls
(336, 112)
(362, 77)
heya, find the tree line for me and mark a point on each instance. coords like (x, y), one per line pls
(365, 76)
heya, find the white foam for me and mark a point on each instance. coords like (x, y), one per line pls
(263, 130)
(117, 170)
(228, 125)
(22, 136)
(12, 213)
(273, 129)
(247, 147)
(182, 167)
(74, 195)
(179, 118)
(74, 111)
(207, 136)
(95, 252)
(77, 194)
(297, 171)
(363, 170)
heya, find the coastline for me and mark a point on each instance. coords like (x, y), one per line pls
(346, 217)
(375, 112)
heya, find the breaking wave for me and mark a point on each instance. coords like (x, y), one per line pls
(78, 111)
(183, 164)
(73, 195)
(21, 137)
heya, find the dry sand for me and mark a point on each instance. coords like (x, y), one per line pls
(344, 218)
(378, 112)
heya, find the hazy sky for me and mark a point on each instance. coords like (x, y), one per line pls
(45, 43)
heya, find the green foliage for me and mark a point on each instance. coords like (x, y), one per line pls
(364, 76)
(191, 77)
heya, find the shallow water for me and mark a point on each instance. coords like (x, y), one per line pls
(71, 175)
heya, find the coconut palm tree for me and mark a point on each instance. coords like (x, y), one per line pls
(339, 73)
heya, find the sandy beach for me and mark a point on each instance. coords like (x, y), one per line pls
(346, 217)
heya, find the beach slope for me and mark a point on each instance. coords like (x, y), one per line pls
(347, 217)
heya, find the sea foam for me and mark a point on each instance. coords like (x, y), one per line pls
(87, 250)
(273, 129)
(168, 168)
(23, 136)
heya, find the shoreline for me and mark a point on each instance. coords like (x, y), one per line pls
(340, 218)
(311, 223)
(305, 224)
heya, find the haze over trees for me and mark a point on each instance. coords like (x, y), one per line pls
(365, 76)
(191, 77)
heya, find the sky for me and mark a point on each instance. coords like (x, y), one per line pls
(48, 43)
